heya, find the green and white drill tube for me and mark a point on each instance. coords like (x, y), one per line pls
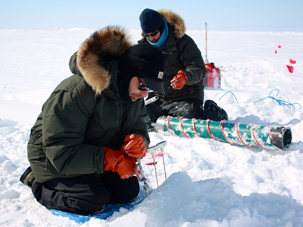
(238, 134)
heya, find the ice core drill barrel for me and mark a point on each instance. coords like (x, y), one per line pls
(224, 131)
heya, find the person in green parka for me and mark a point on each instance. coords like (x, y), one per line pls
(184, 69)
(84, 144)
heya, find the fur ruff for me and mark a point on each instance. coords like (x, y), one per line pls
(174, 20)
(97, 51)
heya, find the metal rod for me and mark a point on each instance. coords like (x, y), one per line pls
(141, 177)
(152, 150)
(162, 150)
(206, 60)
(155, 170)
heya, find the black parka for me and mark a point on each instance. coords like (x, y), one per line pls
(85, 113)
(181, 53)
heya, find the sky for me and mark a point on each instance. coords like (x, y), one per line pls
(220, 15)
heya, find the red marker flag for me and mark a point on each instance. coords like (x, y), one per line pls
(290, 68)
(276, 52)
(292, 61)
(279, 46)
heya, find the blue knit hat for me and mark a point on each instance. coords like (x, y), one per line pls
(151, 21)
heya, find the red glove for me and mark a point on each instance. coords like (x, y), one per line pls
(115, 161)
(134, 146)
(179, 80)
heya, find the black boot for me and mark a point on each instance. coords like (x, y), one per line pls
(27, 177)
(220, 112)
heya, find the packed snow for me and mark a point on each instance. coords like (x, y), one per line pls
(209, 183)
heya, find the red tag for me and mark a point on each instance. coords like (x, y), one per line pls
(292, 61)
(290, 68)
(276, 52)
(279, 46)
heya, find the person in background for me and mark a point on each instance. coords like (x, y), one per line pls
(84, 144)
(184, 70)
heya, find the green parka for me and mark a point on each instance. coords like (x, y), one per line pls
(85, 113)
(181, 53)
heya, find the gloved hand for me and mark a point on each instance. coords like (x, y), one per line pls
(134, 146)
(179, 80)
(115, 161)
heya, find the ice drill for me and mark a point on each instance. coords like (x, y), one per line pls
(234, 133)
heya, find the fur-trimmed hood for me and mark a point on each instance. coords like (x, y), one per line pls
(96, 53)
(175, 20)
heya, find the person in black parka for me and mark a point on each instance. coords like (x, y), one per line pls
(184, 69)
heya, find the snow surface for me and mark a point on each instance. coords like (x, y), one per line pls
(209, 183)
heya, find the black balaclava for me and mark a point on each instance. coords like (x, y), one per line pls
(123, 80)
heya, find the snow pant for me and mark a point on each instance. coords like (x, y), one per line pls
(85, 194)
(186, 108)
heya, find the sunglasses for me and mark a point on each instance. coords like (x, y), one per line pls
(142, 87)
(152, 33)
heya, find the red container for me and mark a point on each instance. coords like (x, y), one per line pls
(213, 78)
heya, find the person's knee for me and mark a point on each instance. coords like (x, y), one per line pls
(92, 205)
(135, 189)
(154, 111)
(128, 191)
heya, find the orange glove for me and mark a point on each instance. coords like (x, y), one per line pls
(115, 161)
(134, 146)
(179, 80)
